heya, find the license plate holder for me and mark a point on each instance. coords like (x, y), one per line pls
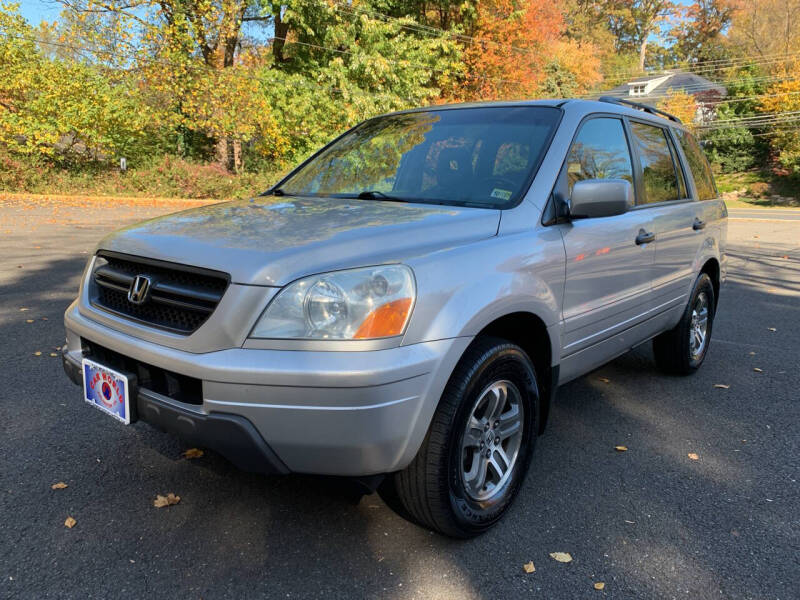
(109, 390)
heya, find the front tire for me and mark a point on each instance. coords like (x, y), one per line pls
(681, 350)
(478, 448)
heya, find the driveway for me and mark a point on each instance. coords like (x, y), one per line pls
(649, 522)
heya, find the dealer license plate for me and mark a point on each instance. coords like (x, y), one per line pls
(107, 390)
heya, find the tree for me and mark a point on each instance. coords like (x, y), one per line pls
(766, 28)
(515, 42)
(698, 37)
(634, 21)
(59, 109)
(682, 105)
(730, 144)
(205, 79)
(784, 96)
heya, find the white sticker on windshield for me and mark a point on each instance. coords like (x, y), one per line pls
(502, 194)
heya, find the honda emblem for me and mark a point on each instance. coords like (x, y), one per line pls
(139, 290)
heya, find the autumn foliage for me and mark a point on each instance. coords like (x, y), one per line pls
(253, 86)
(514, 43)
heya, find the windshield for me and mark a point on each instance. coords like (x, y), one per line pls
(471, 156)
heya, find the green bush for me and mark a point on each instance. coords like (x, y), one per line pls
(168, 177)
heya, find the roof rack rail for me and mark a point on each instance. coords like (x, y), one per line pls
(640, 106)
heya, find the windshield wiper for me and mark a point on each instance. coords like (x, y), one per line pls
(376, 195)
(279, 192)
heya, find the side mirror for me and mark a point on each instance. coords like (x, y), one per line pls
(600, 198)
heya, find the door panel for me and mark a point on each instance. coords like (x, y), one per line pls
(676, 219)
(677, 245)
(608, 274)
(608, 278)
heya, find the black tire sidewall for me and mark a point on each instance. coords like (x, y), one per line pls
(703, 284)
(508, 362)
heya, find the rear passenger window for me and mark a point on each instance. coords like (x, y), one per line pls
(600, 151)
(659, 179)
(698, 165)
(683, 191)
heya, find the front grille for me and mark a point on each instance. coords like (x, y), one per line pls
(180, 298)
(173, 385)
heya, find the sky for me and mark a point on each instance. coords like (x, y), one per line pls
(36, 11)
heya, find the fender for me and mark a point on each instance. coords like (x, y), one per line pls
(462, 290)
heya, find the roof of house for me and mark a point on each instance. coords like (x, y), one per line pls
(657, 86)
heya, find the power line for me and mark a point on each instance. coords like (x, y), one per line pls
(760, 116)
(703, 68)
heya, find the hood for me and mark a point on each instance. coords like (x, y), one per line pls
(275, 240)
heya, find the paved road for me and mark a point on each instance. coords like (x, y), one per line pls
(649, 523)
(765, 214)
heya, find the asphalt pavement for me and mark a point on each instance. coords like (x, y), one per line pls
(764, 214)
(648, 523)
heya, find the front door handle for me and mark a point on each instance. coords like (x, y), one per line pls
(698, 225)
(645, 237)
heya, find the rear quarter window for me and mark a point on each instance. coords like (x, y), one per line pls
(698, 165)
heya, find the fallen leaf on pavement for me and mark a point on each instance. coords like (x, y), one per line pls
(23, 309)
(37, 353)
(563, 557)
(29, 320)
(192, 453)
(58, 486)
(772, 329)
(53, 354)
(693, 456)
(70, 523)
(162, 501)
(752, 353)
(721, 386)
(621, 448)
(604, 379)
(757, 370)
(599, 585)
(528, 567)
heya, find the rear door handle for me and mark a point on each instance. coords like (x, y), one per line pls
(698, 225)
(644, 237)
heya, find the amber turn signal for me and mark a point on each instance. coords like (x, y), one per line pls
(385, 321)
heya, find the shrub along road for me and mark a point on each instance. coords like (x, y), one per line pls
(649, 522)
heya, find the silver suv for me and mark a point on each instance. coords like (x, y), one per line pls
(401, 308)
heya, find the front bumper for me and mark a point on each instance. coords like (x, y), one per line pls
(332, 413)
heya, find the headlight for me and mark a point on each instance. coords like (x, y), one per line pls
(374, 302)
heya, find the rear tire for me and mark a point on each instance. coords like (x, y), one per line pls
(478, 447)
(681, 350)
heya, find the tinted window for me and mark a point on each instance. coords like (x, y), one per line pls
(659, 180)
(600, 151)
(698, 165)
(483, 157)
(683, 190)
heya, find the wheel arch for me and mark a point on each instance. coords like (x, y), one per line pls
(711, 268)
(528, 331)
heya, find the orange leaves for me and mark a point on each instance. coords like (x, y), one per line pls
(680, 104)
(508, 58)
(515, 44)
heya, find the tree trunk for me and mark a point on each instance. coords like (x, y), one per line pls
(229, 152)
(642, 53)
(281, 31)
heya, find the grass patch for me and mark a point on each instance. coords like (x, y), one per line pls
(759, 188)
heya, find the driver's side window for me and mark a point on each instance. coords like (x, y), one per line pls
(599, 151)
